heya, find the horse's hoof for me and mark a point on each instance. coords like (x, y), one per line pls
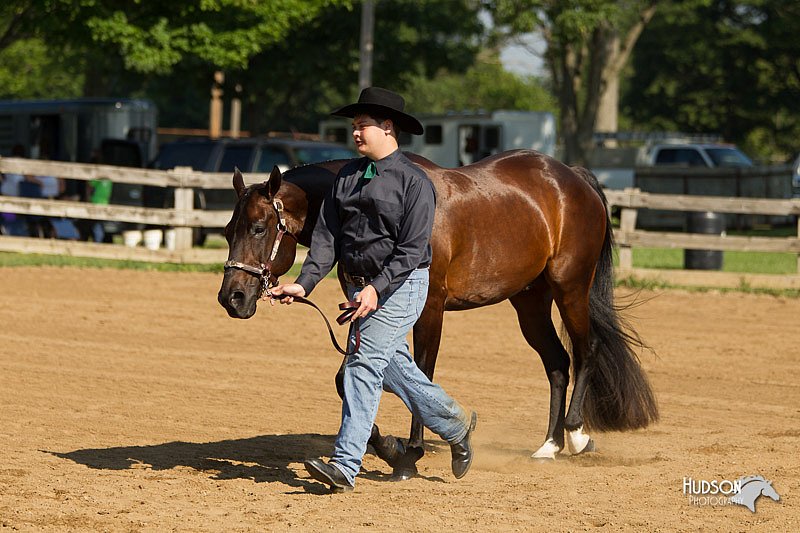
(389, 449)
(403, 474)
(579, 442)
(547, 453)
(589, 447)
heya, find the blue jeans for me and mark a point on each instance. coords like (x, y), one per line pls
(384, 362)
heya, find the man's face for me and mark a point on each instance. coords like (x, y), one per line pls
(369, 135)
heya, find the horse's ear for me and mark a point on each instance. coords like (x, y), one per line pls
(238, 182)
(274, 182)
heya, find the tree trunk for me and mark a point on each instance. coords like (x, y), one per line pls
(567, 82)
(608, 109)
(589, 97)
(618, 54)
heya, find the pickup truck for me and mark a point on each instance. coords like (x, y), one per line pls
(615, 167)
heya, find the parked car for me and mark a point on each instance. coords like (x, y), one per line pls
(223, 155)
(696, 155)
(615, 168)
(796, 177)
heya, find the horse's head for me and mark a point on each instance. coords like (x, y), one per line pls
(257, 253)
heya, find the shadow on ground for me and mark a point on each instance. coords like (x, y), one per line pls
(263, 459)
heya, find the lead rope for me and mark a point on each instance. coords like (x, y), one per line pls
(349, 308)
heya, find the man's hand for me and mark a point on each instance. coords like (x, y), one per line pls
(287, 290)
(368, 298)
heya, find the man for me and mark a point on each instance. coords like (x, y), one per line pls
(377, 222)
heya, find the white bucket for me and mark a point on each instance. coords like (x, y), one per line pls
(152, 239)
(169, 239)
(132, 238)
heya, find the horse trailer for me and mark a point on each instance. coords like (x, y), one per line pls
(454, 140)
(74, 130)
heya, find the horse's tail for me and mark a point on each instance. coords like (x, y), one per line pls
(619, 396)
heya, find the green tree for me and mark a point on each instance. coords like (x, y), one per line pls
(117, 37)
(728, 67)
(296, 82)
(290, 80)
(30, 69)
(588, 45)
(484, 86)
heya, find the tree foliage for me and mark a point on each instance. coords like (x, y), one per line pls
(730, 67)
(724, 66)
(152, 37)
(484, 86)
(588, 44)
(296, 82)
(29, 69)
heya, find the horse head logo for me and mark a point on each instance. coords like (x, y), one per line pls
(751, 488)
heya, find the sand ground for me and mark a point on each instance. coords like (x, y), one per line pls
(129, 401)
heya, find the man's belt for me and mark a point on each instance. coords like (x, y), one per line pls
(358, 282)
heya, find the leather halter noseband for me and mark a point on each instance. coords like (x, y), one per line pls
(268, 280)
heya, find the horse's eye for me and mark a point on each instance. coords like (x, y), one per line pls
(259, 230)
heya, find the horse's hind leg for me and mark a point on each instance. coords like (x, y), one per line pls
(533, 308)
(427, 337)
(573, 304)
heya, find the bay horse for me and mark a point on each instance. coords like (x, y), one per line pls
(519, 225)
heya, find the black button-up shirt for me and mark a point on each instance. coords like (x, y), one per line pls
(378, 228)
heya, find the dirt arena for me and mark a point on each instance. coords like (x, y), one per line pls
(131, 402)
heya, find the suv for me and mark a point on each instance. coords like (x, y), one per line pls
(697, 155)
(223, 155)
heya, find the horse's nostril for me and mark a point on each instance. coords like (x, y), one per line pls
(237, 298)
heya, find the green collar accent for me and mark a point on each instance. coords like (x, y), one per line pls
(371, 171)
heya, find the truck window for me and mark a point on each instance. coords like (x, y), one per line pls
(315, 154)
(728, 157)
(236, 156)
(271, 157)
(193, 155)
(680, 156)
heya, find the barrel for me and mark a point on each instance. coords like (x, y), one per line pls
(707, 223)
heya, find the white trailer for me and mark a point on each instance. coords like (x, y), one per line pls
(454, 140)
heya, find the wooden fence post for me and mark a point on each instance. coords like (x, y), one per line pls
(627, 225)
(184, 204)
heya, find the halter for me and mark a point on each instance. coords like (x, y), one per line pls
(268, 280)
(265, 276)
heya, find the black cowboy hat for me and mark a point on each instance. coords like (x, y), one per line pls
(383, 103)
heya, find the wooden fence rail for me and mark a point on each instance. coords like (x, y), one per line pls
(184, 217)
(631, 200)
